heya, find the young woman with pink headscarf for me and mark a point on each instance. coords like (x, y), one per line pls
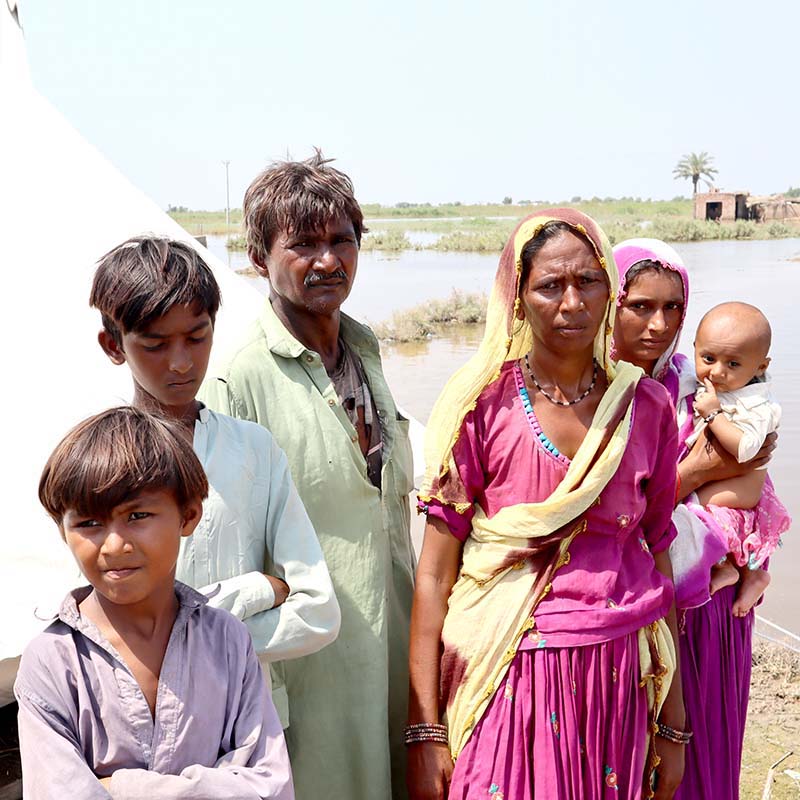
(715, 647)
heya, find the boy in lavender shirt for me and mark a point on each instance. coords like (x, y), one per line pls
(140, 689)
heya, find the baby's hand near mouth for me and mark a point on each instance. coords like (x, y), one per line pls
(706, 401)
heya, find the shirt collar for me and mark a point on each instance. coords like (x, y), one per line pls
(281, 342)
(188, 601)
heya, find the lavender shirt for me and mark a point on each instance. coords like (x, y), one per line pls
(611, 586)
(82, 714)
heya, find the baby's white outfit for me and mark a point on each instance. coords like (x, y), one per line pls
(752, 409)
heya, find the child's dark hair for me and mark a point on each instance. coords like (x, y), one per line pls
(144, 277)
(110, 457)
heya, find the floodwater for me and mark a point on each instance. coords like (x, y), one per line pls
(760, 272)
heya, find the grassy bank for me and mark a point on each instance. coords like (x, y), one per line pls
(485, 228)
(210, 223)
(432, 317)
(388, 241)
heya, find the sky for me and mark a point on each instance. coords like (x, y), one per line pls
(428, 101)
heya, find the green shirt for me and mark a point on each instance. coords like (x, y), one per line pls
(347, 703)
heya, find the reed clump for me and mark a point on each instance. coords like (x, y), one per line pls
(490, 241)
(392, 241)
(431, 318)
(238, 243)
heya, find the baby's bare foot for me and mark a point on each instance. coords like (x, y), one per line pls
(754, 583)
(722, 575)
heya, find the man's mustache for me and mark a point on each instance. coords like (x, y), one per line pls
(316, 277)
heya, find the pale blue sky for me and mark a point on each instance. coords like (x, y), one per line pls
(428, 101)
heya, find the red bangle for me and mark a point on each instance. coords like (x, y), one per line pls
(677, 488)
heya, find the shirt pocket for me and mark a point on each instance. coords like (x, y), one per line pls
(402, 458)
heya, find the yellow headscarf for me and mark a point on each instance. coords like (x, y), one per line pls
(506, 338)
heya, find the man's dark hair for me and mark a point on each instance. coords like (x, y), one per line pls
(296, 196)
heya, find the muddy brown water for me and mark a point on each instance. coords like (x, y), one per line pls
(759, 272)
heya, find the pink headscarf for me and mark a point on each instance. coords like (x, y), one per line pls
(670, 365)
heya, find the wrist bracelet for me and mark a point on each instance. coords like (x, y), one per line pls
(710, 418)
(673, 735)
(425, 732)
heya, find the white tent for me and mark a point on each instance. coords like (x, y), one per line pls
(62, 205)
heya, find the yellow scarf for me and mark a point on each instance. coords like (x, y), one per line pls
(509, 560)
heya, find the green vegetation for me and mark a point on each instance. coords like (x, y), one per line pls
(211, 223)
(473, 242)
(793, 191)
(485, 228)
(236, 243)
(393, 241)
(692, 230)
(695, 166)
(428, 319)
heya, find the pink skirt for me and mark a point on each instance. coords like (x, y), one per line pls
(753, 534)
(566, 724)
(716, 652)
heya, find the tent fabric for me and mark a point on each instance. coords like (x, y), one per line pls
(62, 205)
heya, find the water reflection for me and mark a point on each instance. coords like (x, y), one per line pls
(417, 371)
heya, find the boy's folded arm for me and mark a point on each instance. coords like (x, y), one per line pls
(309, 618)
(256, 768)
(220, 782)
(243, 595)
(51, 757)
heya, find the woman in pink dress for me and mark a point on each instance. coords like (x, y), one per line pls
(543, 622)
(715, 647)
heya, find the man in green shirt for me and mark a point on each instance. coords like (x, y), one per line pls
(313, 377)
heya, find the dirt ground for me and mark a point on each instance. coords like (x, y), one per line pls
(773, 724)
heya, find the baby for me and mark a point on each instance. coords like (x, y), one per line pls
(735, 402)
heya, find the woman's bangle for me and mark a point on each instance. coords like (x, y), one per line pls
(425, 732)
(710, 417)
(673, 735)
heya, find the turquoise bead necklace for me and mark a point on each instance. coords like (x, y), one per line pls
(534, 423)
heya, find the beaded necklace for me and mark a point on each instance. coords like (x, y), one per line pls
(532, 421)
(562, 402)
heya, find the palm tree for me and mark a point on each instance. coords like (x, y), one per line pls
(695, 166)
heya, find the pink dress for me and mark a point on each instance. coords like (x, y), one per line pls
(752, 534)
(570, 720)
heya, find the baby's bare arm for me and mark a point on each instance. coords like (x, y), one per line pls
(728, 435)
(741, 492)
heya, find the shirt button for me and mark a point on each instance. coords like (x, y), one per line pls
(331, 402)
(354, 438)
(309, 358)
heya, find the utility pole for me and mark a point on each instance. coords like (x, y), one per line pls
(227, 198)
